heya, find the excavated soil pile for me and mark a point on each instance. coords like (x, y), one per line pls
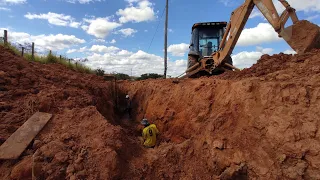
(81, 141)
(260, 123)
(268, 65)
(305, 36)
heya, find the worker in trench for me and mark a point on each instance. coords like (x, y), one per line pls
(128, 106)
(149, 134)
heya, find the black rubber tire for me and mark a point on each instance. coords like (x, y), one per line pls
(220, 70)
(192, 60)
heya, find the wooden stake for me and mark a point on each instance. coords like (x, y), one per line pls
(5, 38)
(32, 51)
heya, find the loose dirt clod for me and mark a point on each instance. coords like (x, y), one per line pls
(305, 36)
(260, 123)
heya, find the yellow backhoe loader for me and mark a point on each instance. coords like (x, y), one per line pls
(213, 42)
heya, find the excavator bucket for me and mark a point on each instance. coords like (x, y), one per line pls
(302, 36)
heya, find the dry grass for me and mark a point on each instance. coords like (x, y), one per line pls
(50, 58)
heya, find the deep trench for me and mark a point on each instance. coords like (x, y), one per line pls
(132, 149)
(112, 107)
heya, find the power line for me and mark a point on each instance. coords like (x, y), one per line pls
(157, 28)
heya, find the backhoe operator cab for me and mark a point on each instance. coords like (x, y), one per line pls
(205, 40)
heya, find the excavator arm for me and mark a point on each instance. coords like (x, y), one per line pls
(239, 17)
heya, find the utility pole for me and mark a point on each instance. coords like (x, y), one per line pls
(166, 41)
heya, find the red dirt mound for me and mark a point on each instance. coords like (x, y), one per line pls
(260, 123)
(74, 141)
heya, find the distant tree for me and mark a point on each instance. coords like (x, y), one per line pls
(83, 60)
(149, 76)
(121, 76)
(99, 72)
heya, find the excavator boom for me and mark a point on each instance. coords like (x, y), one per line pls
(294, 35)
(291, 34)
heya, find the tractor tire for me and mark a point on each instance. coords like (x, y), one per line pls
(192, 60)
(218, 71)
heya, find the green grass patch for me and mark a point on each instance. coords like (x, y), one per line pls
(51, 58)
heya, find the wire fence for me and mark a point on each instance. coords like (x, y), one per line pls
(28, 50)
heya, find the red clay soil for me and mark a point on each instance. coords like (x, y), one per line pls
(305, 36)
(79, 141)
(260, 123)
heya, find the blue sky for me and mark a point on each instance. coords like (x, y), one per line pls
(116, 34)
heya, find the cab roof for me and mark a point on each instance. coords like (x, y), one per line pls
(204, 24)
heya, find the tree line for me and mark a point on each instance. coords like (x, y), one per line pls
(122, 76)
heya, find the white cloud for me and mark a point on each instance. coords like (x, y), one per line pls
(113, 41)
(124, 53)
(83, 49)
(299, 5)
(44, 42)
(178, 49)
(82, 1)
(306, 6)
(263, 33)
(246, 59)
(289, 51)
(104, 49)
(139, 62)
(310, 18)
(55, 19)
(256, 13)
(99, 40)
(84, 27)
(143, 11)
(264, 50)
(71, 51)
(227, 2)
(126, 32)
(100, 27)
(75, 24)
(13, 1)
(4, 9)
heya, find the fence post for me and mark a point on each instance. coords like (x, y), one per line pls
(76, 64)
(60, 57)
(50, 52)
(22, 51)
(5, 38)
(32, 51)
(69, 62)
